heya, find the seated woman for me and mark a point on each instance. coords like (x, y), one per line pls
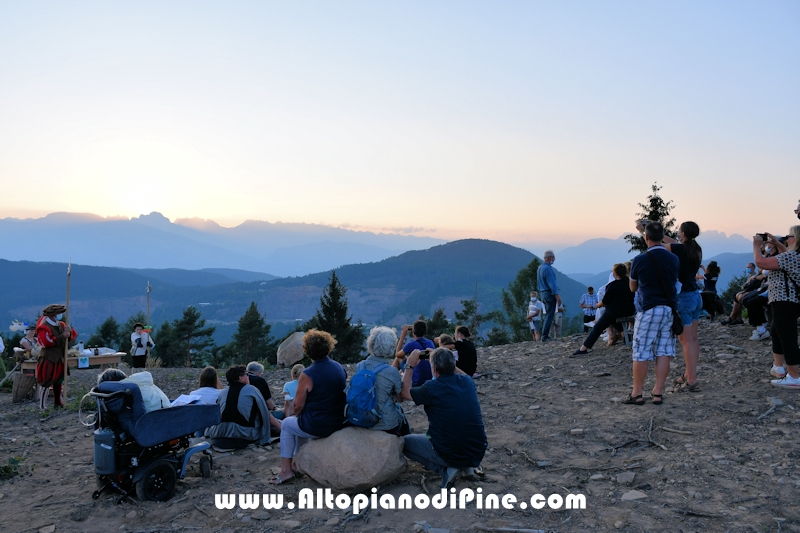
(752, 283)
(381, 345)
(617, 302)
(318, 404)
(209, 386)
(29, 342)
(290, 389)
(243, 414)
(153, 397)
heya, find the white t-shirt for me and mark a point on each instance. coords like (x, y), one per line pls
(533, 306)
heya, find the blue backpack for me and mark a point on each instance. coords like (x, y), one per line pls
(361, 408)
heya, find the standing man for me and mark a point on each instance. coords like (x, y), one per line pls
(652, 333)
(546, 282)
(588, 303)
(53, 336)
(535, 312)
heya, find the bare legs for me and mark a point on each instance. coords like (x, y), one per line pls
(691, 351)
(640, 373)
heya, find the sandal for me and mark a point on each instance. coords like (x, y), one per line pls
(690, 387)
(680, 381)
(658, 399)
(633, 400)
(278, 480)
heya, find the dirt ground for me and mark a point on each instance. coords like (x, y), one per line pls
(708, 461)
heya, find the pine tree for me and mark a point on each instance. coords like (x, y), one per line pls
(252, 340)
(515, 303)
(192, 338)
(332, 317)
(470, 317)
(108, 334)
(438, 324)
(656, 209)
(165, 347)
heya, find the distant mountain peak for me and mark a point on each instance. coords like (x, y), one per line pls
(153, 219)
(197, 223)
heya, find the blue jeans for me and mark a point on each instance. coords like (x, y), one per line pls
(690, 304)
(549, 301)
(419, 448)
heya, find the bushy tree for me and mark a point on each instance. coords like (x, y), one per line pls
(515, 301)
(107, 334)
(165, 348)
(252, 340)
(192, 338)
(734, 286)
(438, 324)
(332, 317)
(469, 316)
(656, 209)
(497, 337)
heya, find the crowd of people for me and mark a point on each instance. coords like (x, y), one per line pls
(663, 292)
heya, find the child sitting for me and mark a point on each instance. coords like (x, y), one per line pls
(289, 390)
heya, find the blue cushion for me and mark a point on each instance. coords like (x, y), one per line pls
(163, 425)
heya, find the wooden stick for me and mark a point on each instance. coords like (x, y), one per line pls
(679, 432)
(66, 344)
(10, 373)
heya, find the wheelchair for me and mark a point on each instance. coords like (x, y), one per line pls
(145, 453)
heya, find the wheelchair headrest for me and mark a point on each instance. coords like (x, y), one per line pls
(132, 402)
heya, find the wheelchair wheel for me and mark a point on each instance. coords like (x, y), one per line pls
(205, 466)
(158, 482)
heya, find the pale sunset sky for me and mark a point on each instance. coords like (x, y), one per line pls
(516, 121)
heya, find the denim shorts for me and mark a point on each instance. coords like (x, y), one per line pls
(536, 325)
(690, 304)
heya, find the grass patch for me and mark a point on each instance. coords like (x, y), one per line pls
(11, 469)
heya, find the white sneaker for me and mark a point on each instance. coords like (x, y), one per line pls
(787, 382)
(777, 371)
(759, 335)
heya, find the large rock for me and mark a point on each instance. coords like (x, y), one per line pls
(291, 350)
(353, 459)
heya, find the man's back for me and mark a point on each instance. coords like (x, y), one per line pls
(546, 278)
(651, 292)
(455, 421)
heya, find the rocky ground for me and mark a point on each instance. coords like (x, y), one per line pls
(723, 459)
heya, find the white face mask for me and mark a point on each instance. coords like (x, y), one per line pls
(768, 249)
(533, 298)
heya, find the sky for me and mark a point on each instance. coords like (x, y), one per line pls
(515, 121)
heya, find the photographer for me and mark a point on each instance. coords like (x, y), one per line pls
(784, 300)
(456, 439)
(422, 372)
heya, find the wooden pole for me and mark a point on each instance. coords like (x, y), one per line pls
(66, 322)
(147, 348)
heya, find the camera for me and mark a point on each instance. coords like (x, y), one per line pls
(425, 354)
(763, 236)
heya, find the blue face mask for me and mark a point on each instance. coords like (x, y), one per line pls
(749, 270)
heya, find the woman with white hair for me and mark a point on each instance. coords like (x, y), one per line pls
(381, 345)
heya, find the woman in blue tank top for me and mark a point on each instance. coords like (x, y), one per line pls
(318, 403)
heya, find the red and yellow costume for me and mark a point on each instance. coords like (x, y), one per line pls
(50, 368)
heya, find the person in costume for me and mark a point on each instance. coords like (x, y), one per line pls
(140, 346)
(53, 335)
(29, 343)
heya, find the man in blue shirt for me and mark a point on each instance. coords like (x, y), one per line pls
(422, 372)
(652, 333)
(456, 439)
(548, 292)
